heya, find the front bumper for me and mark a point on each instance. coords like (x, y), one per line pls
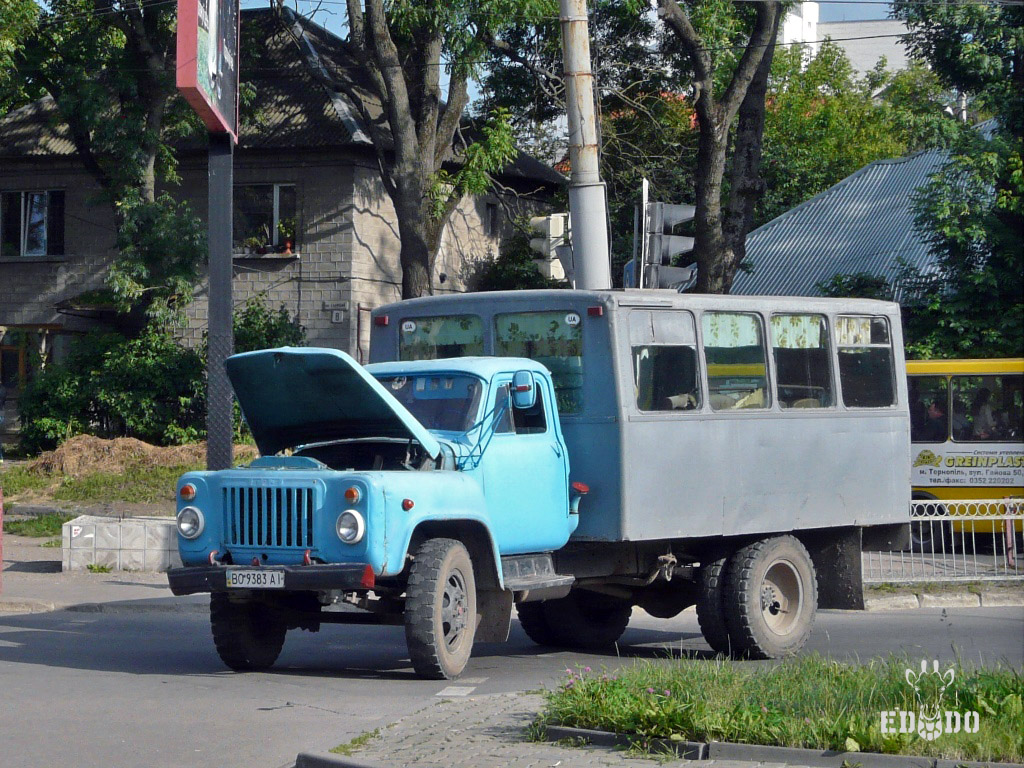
(213, 578)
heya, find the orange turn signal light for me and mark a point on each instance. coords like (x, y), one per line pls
(352, 495)
(187, 492)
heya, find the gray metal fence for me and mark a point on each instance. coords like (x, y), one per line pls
(962, 540)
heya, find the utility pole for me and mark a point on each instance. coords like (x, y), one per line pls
(587, 195)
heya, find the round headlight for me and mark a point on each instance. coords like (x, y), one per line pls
(190, 522)
(351, 526)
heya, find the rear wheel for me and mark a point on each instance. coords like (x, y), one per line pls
(248, 635)
(534, 621)
(440, 609)
(587, 620)
(711, 606)
(771, 595)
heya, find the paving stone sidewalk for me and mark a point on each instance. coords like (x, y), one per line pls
(488, 732)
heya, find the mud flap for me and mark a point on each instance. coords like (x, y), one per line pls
(835, 553)
(494, 609)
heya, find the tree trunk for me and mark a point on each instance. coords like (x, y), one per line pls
(709, 241)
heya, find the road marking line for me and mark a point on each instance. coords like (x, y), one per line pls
(455, 690)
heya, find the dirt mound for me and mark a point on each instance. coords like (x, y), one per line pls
(85, 454)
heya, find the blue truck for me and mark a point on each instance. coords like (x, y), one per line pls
(575, 454)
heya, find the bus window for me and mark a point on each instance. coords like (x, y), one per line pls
(802, 361)
(430, 338)
(987, 408)
(552, 338)
(865, 362)
(929, 409)
(734, 349)
(666, 378)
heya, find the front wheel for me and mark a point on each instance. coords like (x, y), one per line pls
(771, 595)
(247, 634)
(440, 609)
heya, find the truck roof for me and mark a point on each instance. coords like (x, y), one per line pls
(484, 367)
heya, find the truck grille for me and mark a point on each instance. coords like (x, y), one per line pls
(270, 517)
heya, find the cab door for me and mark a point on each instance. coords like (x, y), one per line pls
(526, 473)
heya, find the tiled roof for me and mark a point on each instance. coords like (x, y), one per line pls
(864, 223)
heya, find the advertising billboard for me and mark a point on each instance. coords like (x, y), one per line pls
(207, 68)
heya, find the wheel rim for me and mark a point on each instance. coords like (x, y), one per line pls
(782, 597)
(454, 609)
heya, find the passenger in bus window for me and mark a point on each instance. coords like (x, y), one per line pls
(934, 430)
(984, 419)
(961, 423)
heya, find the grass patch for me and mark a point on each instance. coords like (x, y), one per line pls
(136, 484)
(16, 480)
(94, 568)
(808, 702)
(40, 526)
(52, 543)
(358, 742)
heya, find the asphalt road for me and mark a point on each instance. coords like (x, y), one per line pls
(99, 689)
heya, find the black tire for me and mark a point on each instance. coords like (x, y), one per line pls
(587, 620)
(247, 635)
(440, 609)
(534, 621)
(771, 595)
(711, 606)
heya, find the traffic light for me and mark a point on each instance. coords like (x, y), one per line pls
(652, 266)
(553, 246)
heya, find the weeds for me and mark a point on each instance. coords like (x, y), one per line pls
(38, 527)
(358, 742)
(808, 702)
(51, 543)
(95, 568)
(137, 484)
(16, 480)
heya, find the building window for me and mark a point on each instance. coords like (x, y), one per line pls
(264, 218)
(491, 221)
(31, 224)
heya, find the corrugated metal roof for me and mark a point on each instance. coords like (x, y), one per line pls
(865, 223)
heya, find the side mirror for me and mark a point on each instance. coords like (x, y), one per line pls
(524, 390)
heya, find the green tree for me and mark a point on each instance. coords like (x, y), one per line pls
(972, 211)
(428, 163)
(514, 268)
(18, 19)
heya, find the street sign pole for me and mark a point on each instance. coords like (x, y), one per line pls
(207, 76)
(219, 427)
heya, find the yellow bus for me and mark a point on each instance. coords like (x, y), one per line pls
(966, 429)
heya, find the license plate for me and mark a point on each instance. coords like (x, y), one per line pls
(256, 579)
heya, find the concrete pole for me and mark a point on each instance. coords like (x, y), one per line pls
(587, 207)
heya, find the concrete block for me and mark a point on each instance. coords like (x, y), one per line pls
(109, 558)
(158, 560)
(161, 536)
(133, 535)
(82, 536)
(80, 559)
(133, 560)
(108, 535)
(963, 599)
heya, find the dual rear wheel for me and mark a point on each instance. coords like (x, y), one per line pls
(760, 602)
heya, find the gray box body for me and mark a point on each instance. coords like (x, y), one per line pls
(702, 473)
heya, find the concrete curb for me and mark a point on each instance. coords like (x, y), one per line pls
(328, 760)
(960, 599)
(719, 750)
(12, 605)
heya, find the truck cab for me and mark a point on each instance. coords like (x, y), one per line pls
(405, 478)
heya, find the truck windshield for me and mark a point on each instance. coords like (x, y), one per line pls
(443, 402)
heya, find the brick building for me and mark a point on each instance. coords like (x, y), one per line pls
(314, 230)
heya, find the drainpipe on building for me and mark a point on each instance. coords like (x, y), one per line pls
(587, 196)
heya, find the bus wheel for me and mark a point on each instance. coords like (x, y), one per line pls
(248, 635)
(711, 606)
(534, 621)
(587, 620)
(440, 609)
(930, 536)
(771, 595)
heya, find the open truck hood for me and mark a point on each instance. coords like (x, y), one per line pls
(297, 395)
